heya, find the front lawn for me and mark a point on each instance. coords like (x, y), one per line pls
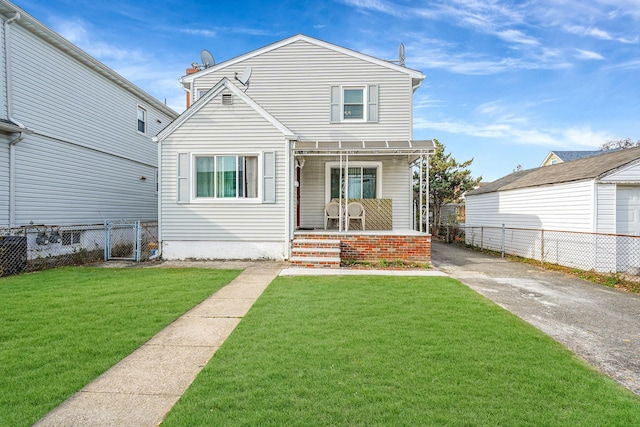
(367, 351)
(60, 329)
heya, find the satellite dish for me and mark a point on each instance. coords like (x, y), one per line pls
(401, 55)
(244, 78)
(207, 58)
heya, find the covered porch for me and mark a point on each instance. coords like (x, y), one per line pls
(355, 201)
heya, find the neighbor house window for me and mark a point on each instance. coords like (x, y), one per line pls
(69, 238)
(228, 176)
(363, 181)
(142, 120)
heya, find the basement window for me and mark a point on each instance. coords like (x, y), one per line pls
(70, 238)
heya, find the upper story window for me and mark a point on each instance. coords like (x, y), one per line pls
(354, 103)
(142, 120)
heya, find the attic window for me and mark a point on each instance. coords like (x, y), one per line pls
(227, 99)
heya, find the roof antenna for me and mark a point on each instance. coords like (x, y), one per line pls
(244, 78)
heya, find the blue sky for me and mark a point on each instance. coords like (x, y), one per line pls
(507, 81)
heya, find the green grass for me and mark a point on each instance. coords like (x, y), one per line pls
(380, 351)
(61, 328)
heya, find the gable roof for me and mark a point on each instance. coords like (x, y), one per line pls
(212, 93)
(569, 156)
(39, 29)
(186, 80)
(588, 168)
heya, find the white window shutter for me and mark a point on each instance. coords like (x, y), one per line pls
(182, 189)
(269, 177)
(373, 103)
(335, 104)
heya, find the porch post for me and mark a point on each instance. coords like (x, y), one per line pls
(288, 228)
(341, 188)
(420, 202)
(346, 194)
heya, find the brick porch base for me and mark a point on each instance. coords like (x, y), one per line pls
(374, 246)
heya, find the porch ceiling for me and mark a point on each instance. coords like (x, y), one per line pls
(364, 147)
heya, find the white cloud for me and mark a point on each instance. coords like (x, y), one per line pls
(516, 36)
(204, 33)
(518, 133)
(588, 55)
(78, 32)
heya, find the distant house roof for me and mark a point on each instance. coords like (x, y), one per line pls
(593, 167)
(569, 156)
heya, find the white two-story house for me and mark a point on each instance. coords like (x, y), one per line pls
(75, 137)
(300, 140)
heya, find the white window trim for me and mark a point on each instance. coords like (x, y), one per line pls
(365, 103)
(224, 200)
(146, 119)
(200, 93)
(364, 164)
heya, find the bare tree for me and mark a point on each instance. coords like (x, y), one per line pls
(619, 144)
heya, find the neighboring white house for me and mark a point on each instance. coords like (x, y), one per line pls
(599, 194)
(75, 137)
(276, 134)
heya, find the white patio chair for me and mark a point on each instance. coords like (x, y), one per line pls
(355, 210)
(331, 212)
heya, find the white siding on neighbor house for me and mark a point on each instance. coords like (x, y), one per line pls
(564, 207)
(83, 161)
(63, 184)
(56, 96)
(4, 179)
(3, 71)
(396, 185)
(627, 174)
(293, 83)
(215, 129)
(605, 208)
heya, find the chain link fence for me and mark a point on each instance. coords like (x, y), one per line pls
(601, 253)
(40, 247)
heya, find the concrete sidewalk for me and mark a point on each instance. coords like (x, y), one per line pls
(143, 387)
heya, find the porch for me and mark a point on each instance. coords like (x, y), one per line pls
(331, 249)
(375, 176)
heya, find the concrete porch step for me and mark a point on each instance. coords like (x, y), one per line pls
(315, 262)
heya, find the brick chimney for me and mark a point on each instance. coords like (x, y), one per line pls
(190, 71)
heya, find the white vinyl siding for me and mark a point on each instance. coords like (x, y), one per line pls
(4, 179)
(605, 208)
(565, 207)
(67, 101)
(305, 106)
(215, 129)
(84, 161)
(62, 184)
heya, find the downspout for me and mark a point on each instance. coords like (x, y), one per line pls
(20, 137)
(287, 201)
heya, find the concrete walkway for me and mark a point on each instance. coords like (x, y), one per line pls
(143, 387)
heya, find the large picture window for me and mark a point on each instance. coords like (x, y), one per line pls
(227, 176)
(363, 181)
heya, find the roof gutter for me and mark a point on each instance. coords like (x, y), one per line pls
(21, 134)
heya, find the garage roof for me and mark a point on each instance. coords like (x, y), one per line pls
(578, 170)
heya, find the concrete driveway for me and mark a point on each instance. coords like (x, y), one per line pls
(599, 324)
